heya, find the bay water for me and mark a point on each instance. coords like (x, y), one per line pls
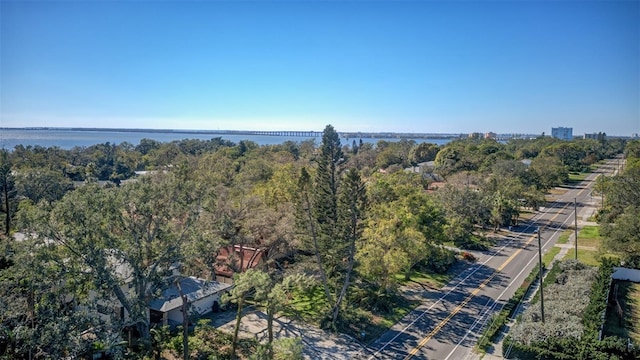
(67, 138)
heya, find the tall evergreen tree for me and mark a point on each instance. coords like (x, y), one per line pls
(7, 191)
(326, 187)
(331, 213)
(352, 202)
(309, 226)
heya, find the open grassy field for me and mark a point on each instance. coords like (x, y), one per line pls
(589, 236)
(587, 257)
(589, 241)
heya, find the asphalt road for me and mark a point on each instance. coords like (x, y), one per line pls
(448, 323)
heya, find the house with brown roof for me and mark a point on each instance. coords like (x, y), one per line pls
(234, 259)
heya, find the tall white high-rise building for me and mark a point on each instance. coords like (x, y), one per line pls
(563, 133)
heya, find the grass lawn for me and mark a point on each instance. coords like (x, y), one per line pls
(308, 305)
(577, 177)
(549, 255)
(630, 292)
(564, 237)
(587, 257)
(429, 279)
(589, 240)
(590, 232)
(381, 323)
(589, 236)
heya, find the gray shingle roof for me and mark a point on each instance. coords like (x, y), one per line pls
(194, 288)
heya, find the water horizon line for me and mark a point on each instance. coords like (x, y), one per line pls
(292, 133)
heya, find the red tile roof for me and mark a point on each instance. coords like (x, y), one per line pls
(237, 258)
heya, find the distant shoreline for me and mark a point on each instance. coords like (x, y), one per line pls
(311, 133)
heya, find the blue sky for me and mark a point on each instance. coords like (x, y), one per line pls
(402, 66)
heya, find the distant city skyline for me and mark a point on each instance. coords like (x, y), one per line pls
(403, 67)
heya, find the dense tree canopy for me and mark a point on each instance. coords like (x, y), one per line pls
(345, 215)
(620, 217)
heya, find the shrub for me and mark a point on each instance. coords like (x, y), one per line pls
(565, 301)
(439, 259)
(561, 340)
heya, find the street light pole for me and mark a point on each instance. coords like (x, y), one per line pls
(575, 217)
(540, 275)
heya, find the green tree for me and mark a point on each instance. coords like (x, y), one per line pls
(7, 191)
(330, 215)
(309, 228)
(403, 223)
(423, 152)
(252, 284)
(569, 153)
(549, 170)
(46, 310)
(319, 210)
(278, 298)
(447, 159)
(42, 184)
(623, 236)
(326, 186)
(392, 245)
(632, 149)
(131, 235)
(352, 205)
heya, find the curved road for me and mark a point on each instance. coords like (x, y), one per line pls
(447, 325)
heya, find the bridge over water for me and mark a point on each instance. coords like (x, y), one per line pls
(273, 133)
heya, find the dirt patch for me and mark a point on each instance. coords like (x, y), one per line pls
(557, 191)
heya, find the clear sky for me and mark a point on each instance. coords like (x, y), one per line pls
(401, 66)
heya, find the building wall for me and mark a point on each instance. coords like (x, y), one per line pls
(562, 133)
(175, 315)
(199, 307)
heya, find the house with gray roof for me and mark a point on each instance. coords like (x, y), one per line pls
(202, 296)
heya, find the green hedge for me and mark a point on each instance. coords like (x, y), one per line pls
(588, 347)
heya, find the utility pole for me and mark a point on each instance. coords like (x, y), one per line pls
(575, 217)
(600, 180)
(540, 275)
